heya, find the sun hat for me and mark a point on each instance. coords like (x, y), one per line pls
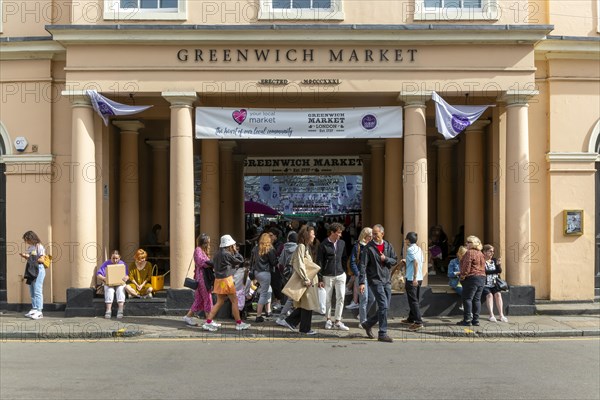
(226, 241)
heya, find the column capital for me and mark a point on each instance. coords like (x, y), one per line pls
(128, 125)
(376, 143)
(158, 144)
(227, 144)
(414, 99)
(239, 158)
(78, 98)
(444, 144)
(180, 99)
(478, 125)
(518, 97)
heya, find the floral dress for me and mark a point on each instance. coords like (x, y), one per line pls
(202, 297)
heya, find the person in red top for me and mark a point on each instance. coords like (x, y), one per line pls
(472, 277)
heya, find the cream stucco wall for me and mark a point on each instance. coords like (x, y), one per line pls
(574, 17)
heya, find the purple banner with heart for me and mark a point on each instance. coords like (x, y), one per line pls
(280, 123)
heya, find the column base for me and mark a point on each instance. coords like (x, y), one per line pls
(80, 302)
(521, 300)
(179, 301)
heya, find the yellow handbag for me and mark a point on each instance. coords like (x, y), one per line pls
(157, 281)
(46, 260)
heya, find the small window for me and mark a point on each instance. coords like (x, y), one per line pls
(456, 10)
(316, 10)
(124, 10)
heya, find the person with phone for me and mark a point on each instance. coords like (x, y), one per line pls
(490, 292)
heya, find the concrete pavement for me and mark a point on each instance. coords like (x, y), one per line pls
(14, 326)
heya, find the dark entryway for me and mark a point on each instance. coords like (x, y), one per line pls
(597, 268)
(2, 233)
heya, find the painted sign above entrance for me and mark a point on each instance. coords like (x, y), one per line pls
(335, 165)
(284, 123)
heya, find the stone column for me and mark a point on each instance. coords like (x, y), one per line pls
(83, 256)
(377, 180)
(518, 222)
(129, 190)
(415, 169)
(181, 221)
(227, 201)
(445, 185)
(474, 187)
(393, 201)
(160, 181)
(209, 192)
(366, 190)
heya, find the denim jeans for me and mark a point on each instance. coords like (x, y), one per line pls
(36, 289)
(412, 295)
(383, 297)
(264, 279)
(471, 297)
(365, 302)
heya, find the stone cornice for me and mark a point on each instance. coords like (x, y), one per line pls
(567, 47)
(31, 49)
(26, 159)
(571, 157)
(296, 33)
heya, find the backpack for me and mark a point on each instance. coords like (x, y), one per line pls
(285, 266)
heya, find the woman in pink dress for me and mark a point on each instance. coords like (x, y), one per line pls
(202, 295)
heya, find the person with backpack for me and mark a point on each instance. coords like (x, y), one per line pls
(286, 270)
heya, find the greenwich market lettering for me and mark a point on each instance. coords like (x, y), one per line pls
(310, 165)
(304, 162)
(296, 55)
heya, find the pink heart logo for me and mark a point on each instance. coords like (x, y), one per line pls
(239, 116)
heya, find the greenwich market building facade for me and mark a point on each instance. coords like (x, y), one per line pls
(231, 87)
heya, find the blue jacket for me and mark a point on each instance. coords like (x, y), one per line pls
(453, 272)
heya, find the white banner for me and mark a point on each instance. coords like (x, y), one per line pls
(452, 120)
(281, 123)
(266, 187)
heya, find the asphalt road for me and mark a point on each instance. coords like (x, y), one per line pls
(230, 368)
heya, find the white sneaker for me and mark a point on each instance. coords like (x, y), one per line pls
(492, 319)
(28, 315)
(190, 321)
(209, 327)
(340, 325)
(214, 323)
(284, 323)
(242, 326)
(37, 315)
(352, 306)
(281, 322)
(504, 319)
(328, 324)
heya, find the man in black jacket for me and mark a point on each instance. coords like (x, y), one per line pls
(332, 258)
(376, 262)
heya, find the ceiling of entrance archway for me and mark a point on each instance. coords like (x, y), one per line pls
(308, 193)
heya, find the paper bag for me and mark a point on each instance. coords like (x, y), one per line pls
(115, 274)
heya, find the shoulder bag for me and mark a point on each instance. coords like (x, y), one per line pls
(501, 284)
(190, 283)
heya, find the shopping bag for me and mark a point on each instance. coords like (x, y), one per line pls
(322, 300)
(157, 281)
